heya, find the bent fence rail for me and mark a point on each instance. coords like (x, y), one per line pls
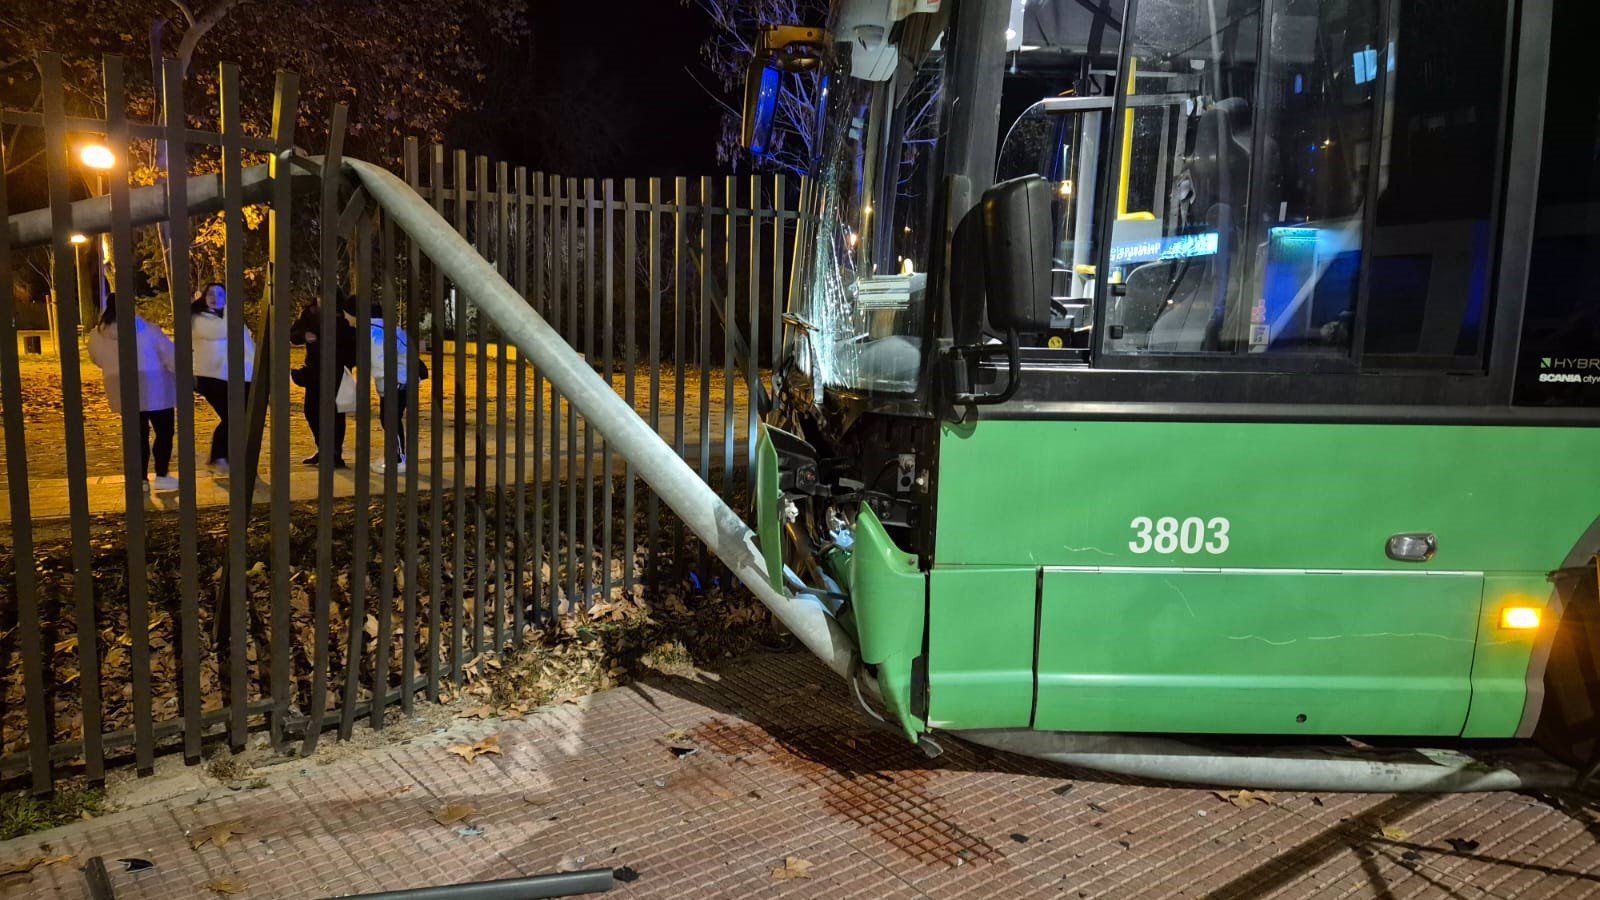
(269, 598)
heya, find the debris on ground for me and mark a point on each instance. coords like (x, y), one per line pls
(16, 867)
(793, 867)
(135, 864)
(1244, 799)
(1461, 845)
(451, 813)
(226, 885)
(1393, 833)
(217, 835)
(625, 874)
(489, 746)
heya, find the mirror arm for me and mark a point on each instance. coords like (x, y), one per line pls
(979, 353)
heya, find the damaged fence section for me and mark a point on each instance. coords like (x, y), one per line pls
(380, 489)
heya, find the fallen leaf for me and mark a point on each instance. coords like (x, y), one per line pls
(33, 862)
(793, 867)
(476, 712)
(1393, 833)
(1063, 790)
(453, 813)
(217, 835)
(1462, 845)
(1411, 856)
(681, 752)
(1245, 799)
(134, 864)
(1019, 837)
(226, 886)
(625, 874)
(676, 735)
(470, 752)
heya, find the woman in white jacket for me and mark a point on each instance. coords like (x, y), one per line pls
(158, 386)
(209, 315)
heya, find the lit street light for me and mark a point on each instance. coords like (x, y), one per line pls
(79, 239)
(97, 157)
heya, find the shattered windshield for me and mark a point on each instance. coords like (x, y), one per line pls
(864, 291)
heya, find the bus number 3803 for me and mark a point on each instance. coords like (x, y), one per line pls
(1168, 535)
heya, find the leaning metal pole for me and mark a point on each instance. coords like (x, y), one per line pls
(705, 513)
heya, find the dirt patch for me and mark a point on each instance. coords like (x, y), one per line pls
(871, 779)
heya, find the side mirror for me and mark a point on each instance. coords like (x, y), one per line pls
(760, 108)
(787, 48)
(1017, 258)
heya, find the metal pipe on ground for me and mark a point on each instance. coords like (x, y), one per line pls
(560, 884)
(1281, 769)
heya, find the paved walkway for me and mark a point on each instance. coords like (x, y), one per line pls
(784, 769)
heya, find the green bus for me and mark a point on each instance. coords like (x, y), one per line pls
(1192, 367)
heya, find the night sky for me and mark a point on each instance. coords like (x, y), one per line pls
(604, 88)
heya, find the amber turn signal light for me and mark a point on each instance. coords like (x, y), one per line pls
(1519, 618)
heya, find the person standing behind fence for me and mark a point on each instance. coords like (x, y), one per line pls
(402, 393)
(307, 330)
(158, 387)
(209, 314)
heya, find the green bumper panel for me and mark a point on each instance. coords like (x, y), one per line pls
(889, 597)
(769, 525)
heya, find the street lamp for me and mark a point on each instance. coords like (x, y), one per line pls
(79, 241)
(98, 157)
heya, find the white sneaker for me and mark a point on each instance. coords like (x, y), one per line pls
(380, 467)
(164, 483)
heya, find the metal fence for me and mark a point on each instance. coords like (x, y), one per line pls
(299, 604)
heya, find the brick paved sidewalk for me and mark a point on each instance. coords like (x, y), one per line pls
(785, 768)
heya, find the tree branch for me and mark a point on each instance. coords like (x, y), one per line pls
(188, 14)
(198, 28)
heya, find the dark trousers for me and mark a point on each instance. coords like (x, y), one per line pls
(398, 436)
(164, 422)
(215, 390)
(313, 412)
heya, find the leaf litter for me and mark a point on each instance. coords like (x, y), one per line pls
(217, 835)
(793, 867)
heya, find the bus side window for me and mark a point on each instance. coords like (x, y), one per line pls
(1433, 238)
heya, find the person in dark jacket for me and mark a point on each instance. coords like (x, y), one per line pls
(307, 330)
